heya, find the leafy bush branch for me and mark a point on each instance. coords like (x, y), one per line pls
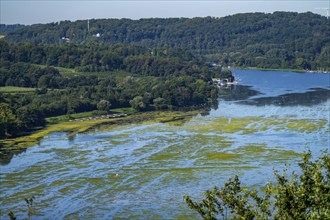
(304, 196)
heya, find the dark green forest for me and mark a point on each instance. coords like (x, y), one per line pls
(5, 29)
(78, 78)
(277, 40)
(147, 64)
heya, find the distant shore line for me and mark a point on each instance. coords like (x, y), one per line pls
(281, 69)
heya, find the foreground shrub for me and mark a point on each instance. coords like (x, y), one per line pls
(303, 196)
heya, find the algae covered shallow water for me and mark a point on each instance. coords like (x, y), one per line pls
(142, 171)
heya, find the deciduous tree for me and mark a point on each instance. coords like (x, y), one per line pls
(304, 196)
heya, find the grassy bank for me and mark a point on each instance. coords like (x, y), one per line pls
(271, 69)
(60, 124)
(81, 115)
(15, 89)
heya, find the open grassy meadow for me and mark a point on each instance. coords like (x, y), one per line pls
(15, 89)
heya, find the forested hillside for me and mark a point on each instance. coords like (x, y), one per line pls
(278, 40)
(79, 78)
(146, 64)
(5, 29)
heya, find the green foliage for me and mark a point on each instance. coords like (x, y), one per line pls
(304, 196)
(18, 71)
(160, 103)
(138, 103)
(26, 75)
(225, 74)
(4, 29)
(63, 118)
(103, 105)
(15, 89)
(142, 93)
(30, 117)
(8, 121)
(261, 40)
(323, 60)
(172, 78)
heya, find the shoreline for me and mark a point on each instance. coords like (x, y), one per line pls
(285, 70)
(80, 126)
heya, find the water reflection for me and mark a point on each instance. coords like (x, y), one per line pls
(7, 155)
(276, 83)
(277, 88)
(310, 98)
(237, 92)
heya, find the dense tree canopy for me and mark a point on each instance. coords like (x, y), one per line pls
(5, 29)
(277, 40)
(98, 77)
(146, 64)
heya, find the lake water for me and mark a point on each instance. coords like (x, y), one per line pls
(142, 171)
